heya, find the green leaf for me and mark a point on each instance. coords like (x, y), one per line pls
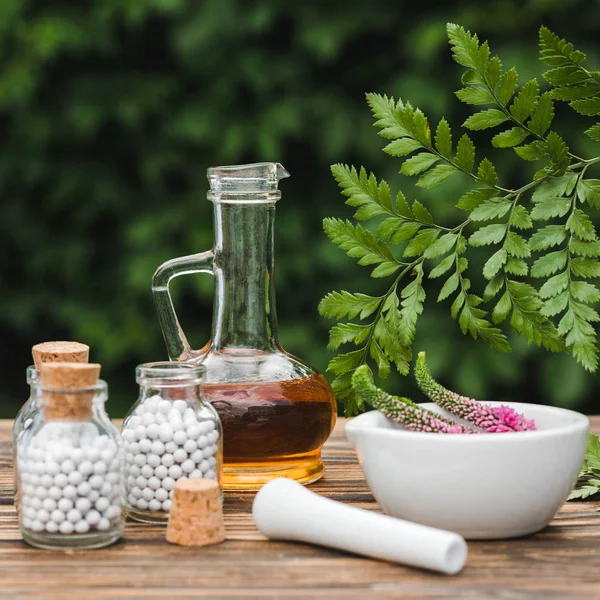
(585, 267)
(547, 237)
(413, 296)
(516, 266)
(475, 95)
(466, 50)
(493, 287)
(386, 111)
(566, 75)
(487, 172)
(525, 101)
(494, 264)
(555, 285)
(388, 227)
(491, 209)
(542, 116)
(502, 308)
(557, 51)
(443, 139)
(421, 213)
(551, 207)
(443, 267)
(508, 85)
(338, 305)
(557, 149)
(584, 492)
(436, 176)
(588, 249)
(511, 137)
(490, 234)
(345, 362)
(492, 117)
(594, 132)
(588, 190)
(520, 218)
(584, 292)
(555, 186)
(465, 154)
(588, 106)
(576, 92)
(402, 147)
(381, 360)
(449, 287)
(418, 163)
(580, 225)
(385, 269)
(474, 198)
(344, 333)
(421, 242)
(533, 151)
(549, 264)
(441, 246)
(516, 245)
(556, 305)
(405, 232)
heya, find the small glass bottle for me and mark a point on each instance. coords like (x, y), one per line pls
(69, 463)
(170, 434)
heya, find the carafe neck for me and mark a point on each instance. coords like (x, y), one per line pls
(244, 310)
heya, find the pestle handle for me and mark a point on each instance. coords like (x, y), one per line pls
(284, 509)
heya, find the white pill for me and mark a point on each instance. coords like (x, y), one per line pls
(37, 526)
(135, 470)
(145, 445)
(86, 467)
(136, 492)
(140, 460)
(67, 466)
(141, 482)
(165, 432)
(158, 448)
(84, 488)
(134, 421)
(179, 455)
(140, 432)
(161, 494)
(114, 478)
(212, 461)
(164, 406)
(189, 414)
(66, 527)
(147, 418)
(75, 478)
(96, 481)
(83, 504)
(170, 447)
(168, 483)
(161, 471)
(188, 465)
(142, 504)
(106, 489)
(113, 512)
(209, 425)
(160, 418)
(36, 503)
(209, 451)
(82, 526)
(51, 526)
(190, 446)
(195, 474)
(147, 471)
(210, 475)
(65, 504)
(133, 447)
(92, 517)
(94, 495)
(167, 460)
(154, 483)
(180, 437)
(49, 504)
(174, 416)
(197, 456)
(34, 479)
(43, 515)
(180, 405)
(41, 492)
(100, 468)
(130, 481)
(52, 468)
(154, 505)
(166, 505)
(61, 480)
(77, 455)
(152, 431)
(129, 458)
(129, 435)
(58, 516)
(74, 515)
(150, 404)
(55, 493)
(175, 472)
(102, 503)
(213, 436)
(204, 466)
(154, 460)
(147, 494)
(27, 523)
(46, 480)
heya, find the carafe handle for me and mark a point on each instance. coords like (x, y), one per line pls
(178, 347)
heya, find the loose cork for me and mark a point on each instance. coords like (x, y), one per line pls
(196, 516)
(51, 352)
(64, 376)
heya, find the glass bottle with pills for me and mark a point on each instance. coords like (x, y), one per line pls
(170, 434)
(69, 463)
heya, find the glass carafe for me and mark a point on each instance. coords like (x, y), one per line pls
(276, 411)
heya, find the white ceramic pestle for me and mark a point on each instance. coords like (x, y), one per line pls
(284, 509)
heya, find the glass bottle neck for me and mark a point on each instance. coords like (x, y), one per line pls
(244, 310)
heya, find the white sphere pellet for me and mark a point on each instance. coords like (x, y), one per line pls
(43, 515)
(190, 446)
(168, 483)
(49, 504)
(140, 432)
(154, 483)
(204, 466)
(92, 517)
(135, 470)
(150, 404)
(147, 471)
(180, 437)
(114, 478)
(209, 425)
(153, 460)
(134, 422)
(188, 465)
(210, 475)
(170, 447)
(212, 461)
(175, 472)
(152, 431)
(77, 455)
(161, 471)
(96, 481)
(145, 445)
(189, 414)
(164, 406)
(161, 494)
(154, 505)
(205, 427)
(58, 516)
(113, 512)
(100, 468)
(129, 434)
(130, 481)
(174, 416)
(53, 468)
(27, 522)
(46, 480)
(167, 460)
(142, 504)
(82, 526)
(51, 526)
(166, 505)
(147, 494)
(136, 492)
(195, 474)
(36, 503)
(67, 466)
(66, 527)
(37, 526)
(132, 500)
(84, 488)
(209, 451)
(55, 493)
(148, 419)
(160, 418)
(86, 467)
(158, 448)
(92, 454)
(83, 505)
(34, 479)
(141, 482)
(102, 504)
(64, 504)
(140, 460)
(194, 432)
(94, 495)
(133, 447)
(203, 442)
(165, 432)
(213, 436)
(41, 492)
(179, 455)
(197, 456)
(74, 515)
(106, 489)
(129, 457)
(180, 405)
(75, 478)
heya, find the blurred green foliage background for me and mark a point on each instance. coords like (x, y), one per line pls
(112, 110)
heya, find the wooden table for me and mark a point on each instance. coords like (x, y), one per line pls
(563, 561)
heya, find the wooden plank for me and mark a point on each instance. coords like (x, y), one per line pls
(563, 561)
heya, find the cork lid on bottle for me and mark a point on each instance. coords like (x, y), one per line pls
(51, 352)
(68, 390)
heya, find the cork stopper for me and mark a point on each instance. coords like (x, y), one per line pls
(66, 405)
(196, 516)
(51, 352)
